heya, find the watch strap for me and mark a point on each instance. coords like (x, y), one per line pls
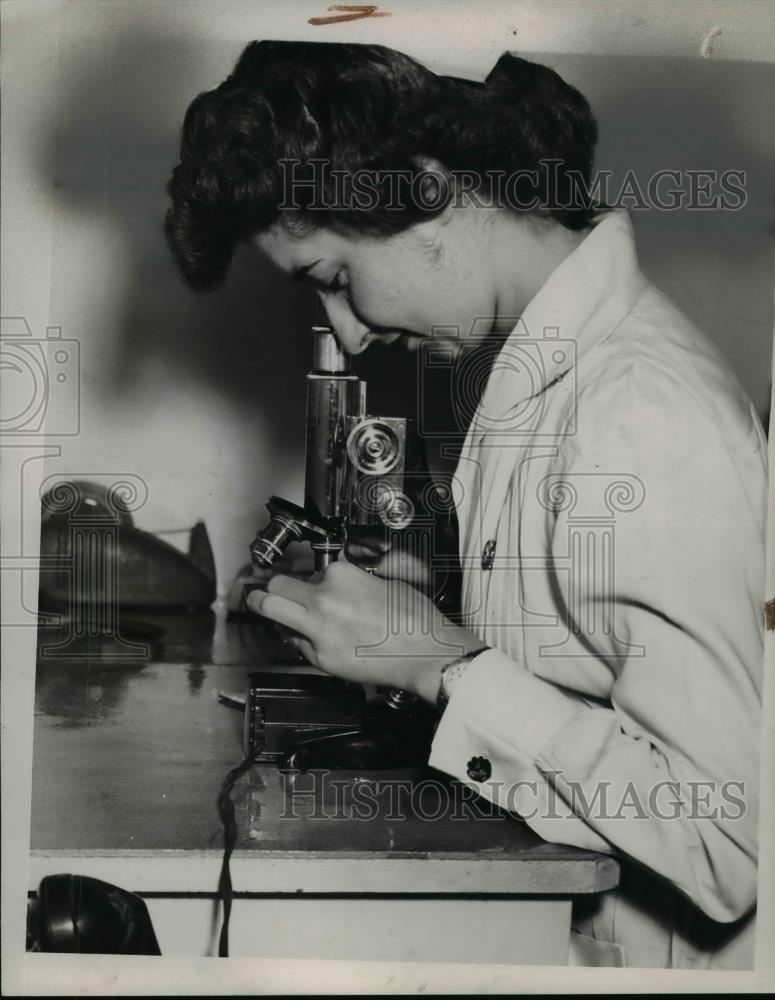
(451, 673)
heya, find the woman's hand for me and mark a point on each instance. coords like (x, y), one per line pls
(377, 550)
(362, 628)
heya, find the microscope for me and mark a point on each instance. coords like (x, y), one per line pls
(362, 472)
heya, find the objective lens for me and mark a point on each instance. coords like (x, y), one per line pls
(270, 543)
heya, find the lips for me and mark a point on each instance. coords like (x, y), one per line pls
(408, 341)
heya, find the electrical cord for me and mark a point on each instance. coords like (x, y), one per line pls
(230, 834)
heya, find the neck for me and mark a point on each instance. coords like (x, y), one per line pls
(525, 251)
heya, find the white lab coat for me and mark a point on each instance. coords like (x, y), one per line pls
(611, 501)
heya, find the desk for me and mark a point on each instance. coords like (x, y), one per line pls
(128, 760)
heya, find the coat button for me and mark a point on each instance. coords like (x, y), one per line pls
(488, 555)
(479, 769)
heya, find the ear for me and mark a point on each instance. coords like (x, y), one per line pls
(436, 186)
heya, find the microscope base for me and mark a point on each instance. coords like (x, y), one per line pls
(392, 737)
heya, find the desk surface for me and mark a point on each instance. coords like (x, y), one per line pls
(129, 758)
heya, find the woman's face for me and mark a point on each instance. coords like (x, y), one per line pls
(385, 288)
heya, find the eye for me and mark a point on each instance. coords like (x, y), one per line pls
(339, 282)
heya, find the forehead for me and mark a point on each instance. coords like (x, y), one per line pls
(289, 250)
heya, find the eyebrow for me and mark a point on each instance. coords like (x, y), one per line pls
(299, 273)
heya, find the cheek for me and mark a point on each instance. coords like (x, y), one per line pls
(378, 298)
(404, 290)
(434, 294)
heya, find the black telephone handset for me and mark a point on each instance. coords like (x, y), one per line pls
(76, 914)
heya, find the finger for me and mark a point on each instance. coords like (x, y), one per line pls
(407, 567)
(286, 634)
(305, 647)
(370, 568)
(362, 555)
(369, 536)
(290, 587)
(376, 568)
(279, 609)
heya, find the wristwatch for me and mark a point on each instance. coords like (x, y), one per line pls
(451, 673)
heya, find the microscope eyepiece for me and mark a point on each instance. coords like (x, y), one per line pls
(329, 358)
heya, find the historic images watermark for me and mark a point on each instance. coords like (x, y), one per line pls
(473, 363)
(316, 185)
(42, 381)
(40, 409)
(69, 589)
(326, 795)
(80, 564)
(580, 508)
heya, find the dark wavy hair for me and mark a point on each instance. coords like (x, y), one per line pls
(362, 108)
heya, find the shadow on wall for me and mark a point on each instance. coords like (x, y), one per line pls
(115, 147)
(116, 143)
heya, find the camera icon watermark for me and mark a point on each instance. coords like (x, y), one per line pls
(80, 565)
(41, 381)
(587, 505)
(423, 552)
(498, 385)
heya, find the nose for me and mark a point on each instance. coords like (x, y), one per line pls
(353, 335)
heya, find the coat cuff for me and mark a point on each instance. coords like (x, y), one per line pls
(498, 731)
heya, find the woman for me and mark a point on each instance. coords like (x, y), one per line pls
(611, 487)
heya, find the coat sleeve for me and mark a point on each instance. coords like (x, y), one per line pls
(666, 771)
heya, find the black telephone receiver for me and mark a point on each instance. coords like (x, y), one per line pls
(81, 915)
